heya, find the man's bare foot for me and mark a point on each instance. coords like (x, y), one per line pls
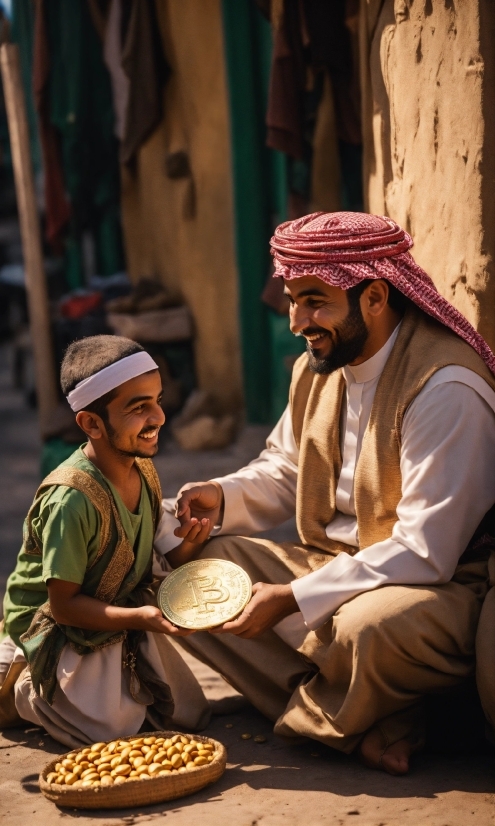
(393, 759)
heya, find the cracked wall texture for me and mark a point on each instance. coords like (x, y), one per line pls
(427, 71)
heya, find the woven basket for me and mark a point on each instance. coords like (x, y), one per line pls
(138, 792)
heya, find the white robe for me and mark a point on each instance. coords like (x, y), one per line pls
(448, 484)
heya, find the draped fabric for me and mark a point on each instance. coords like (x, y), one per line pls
(345, 248)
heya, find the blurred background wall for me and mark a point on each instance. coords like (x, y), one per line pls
(170, 137)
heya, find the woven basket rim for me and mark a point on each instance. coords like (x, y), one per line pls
(159, 788)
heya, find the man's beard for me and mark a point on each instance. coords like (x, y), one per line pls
(136, 453)
(348, 343)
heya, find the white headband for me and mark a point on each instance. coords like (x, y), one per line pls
(88, 390)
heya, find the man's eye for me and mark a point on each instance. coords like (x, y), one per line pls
(138, 409)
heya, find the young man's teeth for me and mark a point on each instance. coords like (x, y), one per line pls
(315, 338)
(150, 435)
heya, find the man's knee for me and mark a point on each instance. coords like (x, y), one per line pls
(410, 617)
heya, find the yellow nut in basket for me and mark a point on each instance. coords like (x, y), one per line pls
(142, 758)
(150, 757)
(93, 755)
(69, 779)
(90, 779)
(123, 770)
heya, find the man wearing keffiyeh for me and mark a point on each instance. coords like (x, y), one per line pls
(386, 454)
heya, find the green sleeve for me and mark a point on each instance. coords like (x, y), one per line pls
(69, 531)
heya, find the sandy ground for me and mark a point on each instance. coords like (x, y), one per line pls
(268, 784)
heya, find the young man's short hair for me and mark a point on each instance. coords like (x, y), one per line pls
(87, 356)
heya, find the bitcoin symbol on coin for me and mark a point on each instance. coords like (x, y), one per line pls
(204, 593)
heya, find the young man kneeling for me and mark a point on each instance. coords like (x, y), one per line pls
(79, 609)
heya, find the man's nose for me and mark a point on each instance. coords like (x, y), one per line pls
(299, 319)
(157, 416)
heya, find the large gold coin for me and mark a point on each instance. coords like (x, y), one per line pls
(204, 593)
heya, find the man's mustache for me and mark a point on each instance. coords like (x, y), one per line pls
(149, 429)
(311, 331)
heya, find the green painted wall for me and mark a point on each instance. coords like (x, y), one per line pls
(260, 202)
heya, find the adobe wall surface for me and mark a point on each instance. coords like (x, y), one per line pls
(428, 88)
(193, 256)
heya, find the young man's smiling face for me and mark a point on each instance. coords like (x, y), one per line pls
(134, 416)
(334, 329)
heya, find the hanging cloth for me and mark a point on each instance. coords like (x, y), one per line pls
(57, 207)
(147, 70)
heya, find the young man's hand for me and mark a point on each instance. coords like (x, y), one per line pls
(149, 618)
(70, 607)
(197, 533)
(199, 508)
(268, 605)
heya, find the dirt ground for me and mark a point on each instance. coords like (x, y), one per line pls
(266, 784)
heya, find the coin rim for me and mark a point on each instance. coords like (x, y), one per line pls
(165, 584)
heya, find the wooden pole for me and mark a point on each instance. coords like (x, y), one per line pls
(37, 294)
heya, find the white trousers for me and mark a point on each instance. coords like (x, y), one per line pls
(92, 701)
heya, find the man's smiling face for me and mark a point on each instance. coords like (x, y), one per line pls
(135, 416)
(333, 327)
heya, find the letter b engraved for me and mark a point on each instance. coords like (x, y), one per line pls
(208, 591)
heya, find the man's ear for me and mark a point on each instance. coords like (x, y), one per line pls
(376, 297)
(92, 424)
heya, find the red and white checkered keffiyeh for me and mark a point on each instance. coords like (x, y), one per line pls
(344, 248)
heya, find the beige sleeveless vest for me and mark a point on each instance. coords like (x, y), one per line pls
(423, 346)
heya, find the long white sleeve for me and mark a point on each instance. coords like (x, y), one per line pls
(448, 484)
(262, 495)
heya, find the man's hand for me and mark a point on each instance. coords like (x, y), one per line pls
(198, 501)
(269, 604)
